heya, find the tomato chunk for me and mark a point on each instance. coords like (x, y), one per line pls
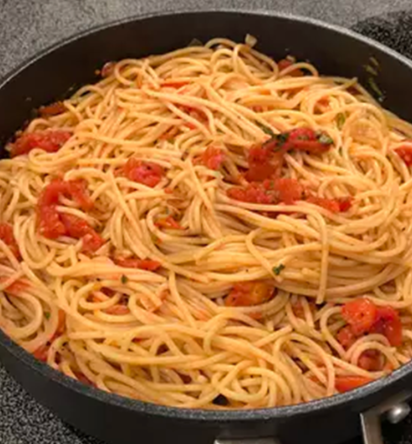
(272, 191)
(213, 157)
(346, 337)
(168, 222)
(286, 63)
(371, 360)
(346, 383)
(175, 83)
(264, 163)
(405, 153)
(49, 141)
(49, 222)
(147, 173)
(360, 314)
(80, 229)
(16, 287)
(41, 353)
(389, 324)
(143, 264)
(118, 310)
(53, 109)
(77, 189)
(249, 293)
(7, 236)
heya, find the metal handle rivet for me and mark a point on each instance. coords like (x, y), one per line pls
(398, 412)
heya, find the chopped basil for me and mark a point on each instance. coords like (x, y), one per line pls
(324, 139)
(375, 88)
(124, 279)
(278, 269)
(47, 315)
(272, 184)
(374, 61)
(371, 70)
(282, 138)
(266, 129)
(340, 120)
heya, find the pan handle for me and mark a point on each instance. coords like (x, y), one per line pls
(394, 410)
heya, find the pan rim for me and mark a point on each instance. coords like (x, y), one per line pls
(201, 415)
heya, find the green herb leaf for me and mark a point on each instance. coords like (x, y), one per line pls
(371, 70)
(375, 88)
(282, 138)
(324, 139)
(47, 315)
(124, 279)
(278, 269)
(374, 61)
(266, 129)
(340, 120)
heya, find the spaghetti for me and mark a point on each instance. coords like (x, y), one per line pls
(211, 229)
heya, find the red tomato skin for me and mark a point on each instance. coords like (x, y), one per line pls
(49, 223)
(285, 63)
(346, 383)
(328, 204)
(360, 314)
(78, 191)
(213, 157)
(41, 353)
(248, 294)
(370, 360)
(49, 141)
(7, 236)
(168, 222)
(92, 242)
(146, 173)
(345, 337)
(143, 264)
(389, 324)
(405, 153)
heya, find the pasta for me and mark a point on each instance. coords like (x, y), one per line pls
(211, 229)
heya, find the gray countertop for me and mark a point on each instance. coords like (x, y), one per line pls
(27, 26)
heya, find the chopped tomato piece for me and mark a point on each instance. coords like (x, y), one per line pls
(143, 264)
(286, 63)
(92, 242)
(168, 222)
(213, 157)
(346, 383)
(117, 310)
(7, 236)
(41, 353)
(264, 163)
(346, 337)
(78, 191)
(50, 225)
(249, 293)
(328, 204)
(49, 141)
(61, 323)
(50, 194)
(360, 314)
(147, 173)
(271, 191)
(306, 139)
(405, 153)
(338, 205)
(53, 109)
(289, 190)
(389, 324)
(82, 378)
(16, 287)
(76, 227)
(80, 229)
(371, 360)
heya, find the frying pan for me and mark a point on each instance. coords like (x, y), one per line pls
(117, 420)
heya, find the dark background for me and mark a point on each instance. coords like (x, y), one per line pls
(27, 26)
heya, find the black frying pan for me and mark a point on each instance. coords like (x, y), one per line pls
(72, 63)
